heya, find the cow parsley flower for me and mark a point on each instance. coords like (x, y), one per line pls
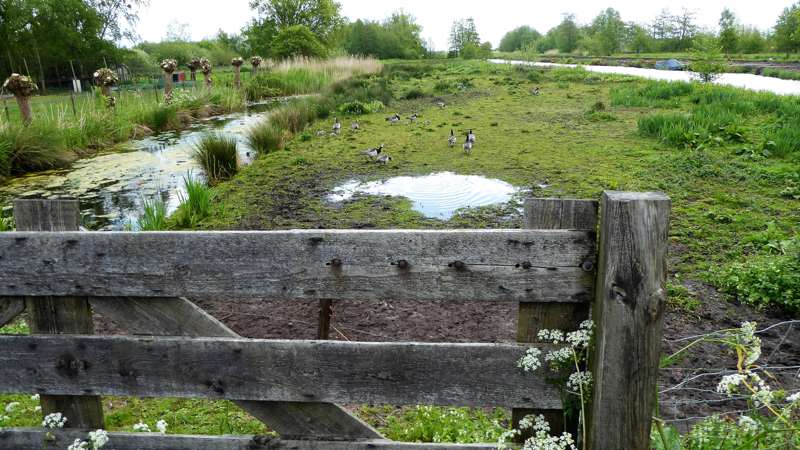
(794, 398)
(729, 384)
(578, 380)
(561, 355)
(54, 420)
(11, 407)
(541, 439)
(99, 438)
(78, 445)
(161, 425)
(4, 418)
(35, 397)
(530, 362)
(141, 427)
(554, 336)
(748, 425)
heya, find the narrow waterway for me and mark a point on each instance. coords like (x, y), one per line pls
(742, 80)
(111, 186)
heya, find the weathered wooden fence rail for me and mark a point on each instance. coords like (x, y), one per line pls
(555, 270)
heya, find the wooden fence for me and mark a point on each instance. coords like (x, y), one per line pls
(556, 270)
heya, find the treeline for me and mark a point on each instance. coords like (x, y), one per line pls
(608, 33)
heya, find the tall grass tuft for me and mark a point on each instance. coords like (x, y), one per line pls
(295, 116)
(218, 156)
(6, 224)
(196, 204)
(154, 215)
(266, 137)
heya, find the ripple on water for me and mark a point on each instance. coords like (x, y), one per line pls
(438, 195)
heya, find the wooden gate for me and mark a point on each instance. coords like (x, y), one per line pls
(556, 271)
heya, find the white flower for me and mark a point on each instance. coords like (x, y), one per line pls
(37, 408)
(794, 398)
(54, 420)
(141, 427)
(530, 362)
(11, 406)
(554, 336)
(561, 355)
(99, 438)
(579, 338)
(4, 418)
(748, 425)
(730, 383)
(161, 425)
(78, 445)
(35, 397)
(578, 380)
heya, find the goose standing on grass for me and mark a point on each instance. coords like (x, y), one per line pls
(384, 159)
(413, 118)
(441, 104)
(373, 153)
(354, 126)
(393, 119)
(468, 146)
(471, 137)
(451, 141)
(337, 126)
(535, 91)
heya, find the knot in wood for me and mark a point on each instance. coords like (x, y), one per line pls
(458, 265)
(527, 265)
(336, 262)
(401, 264)
(587, 265)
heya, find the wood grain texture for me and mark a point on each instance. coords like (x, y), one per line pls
(293, 371)
(34, 439)
(10, 308)
(300, 265)
(554, 214)
(64, 315)
(628, 312)
(181, 317)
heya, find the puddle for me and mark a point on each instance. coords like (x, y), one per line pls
(437, 196)
(111, 186)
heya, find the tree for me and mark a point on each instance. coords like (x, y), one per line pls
(640, 40)
(686, 28)
(119, 17)
(728, 35)
(298, 40)
(396, 37)
(464, 36)
(608, 30)
(321, 17)
(751, 40)
(519, 39)
(707, 60)
(567, 34)
(787, 29)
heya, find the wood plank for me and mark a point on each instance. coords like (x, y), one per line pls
(629, 311)
(560, 214)
(181, 317)
(511, 265)
(65, 315)
(35, 439)
(554, 214)
(293, 371)
(10, 308)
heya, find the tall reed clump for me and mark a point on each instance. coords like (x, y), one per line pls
(35, 147)
(154, 215)
(195, 205)
(266, 137)
(217, 155)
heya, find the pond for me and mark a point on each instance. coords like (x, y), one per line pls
(111, 186)
(742, 80)
(437, 195)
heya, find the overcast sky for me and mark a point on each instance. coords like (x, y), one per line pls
(493, 17)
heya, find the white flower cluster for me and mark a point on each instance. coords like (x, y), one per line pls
(749, 342)
(54, 420)
(11, 406)
(578, 339)
(530, 362)
(161, 426)
(541, 439)
(748, 425)
(580, 381)
(760, 391)
(97, 439)
(3, 418)
(141, 427)
(794, 398)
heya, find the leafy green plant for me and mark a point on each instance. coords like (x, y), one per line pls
(6, 224)
(434, 424)
(217, 155)
(154, 215)
(707, 60)
(266, 137)
(195, 205)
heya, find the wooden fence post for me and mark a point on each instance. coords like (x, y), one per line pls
(628, 312)
(553, 214)
(59, 315)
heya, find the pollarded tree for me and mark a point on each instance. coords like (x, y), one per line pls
(105, 79)
(237, 69)
(168, 66)
(194, 66)
(206, 67)
(256, 62)
(22, 88)
(728, 33)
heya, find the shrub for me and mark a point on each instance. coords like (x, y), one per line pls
(196, 204)
(413, 94)
(357, 108)
(218, 156)
(266, 137)
(766, 280)
(154, 216)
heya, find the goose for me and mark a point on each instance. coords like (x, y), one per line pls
(384, 159)
(441, 104)
(535, 91)
(373, 152)
(413, 117)
(471, 137)
(393, 119)
(354, 126)
(468, 147)
(337, 126)
(452, 139)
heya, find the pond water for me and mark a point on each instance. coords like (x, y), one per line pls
(112, 186)
(438, 195)
(743, 80)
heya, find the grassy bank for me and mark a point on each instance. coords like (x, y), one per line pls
(60, 134)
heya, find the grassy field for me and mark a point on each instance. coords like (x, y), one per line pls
(729, 159)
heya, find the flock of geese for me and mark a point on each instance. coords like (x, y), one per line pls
(377, 154)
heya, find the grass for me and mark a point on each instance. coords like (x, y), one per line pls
(266, 137)
(154, 215)
(217, 155)
(195, 205)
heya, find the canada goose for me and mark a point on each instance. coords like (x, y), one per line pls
(393, 119)
(441, 104)
(413, 117)
(452, 139)
(471, 137)
(468, 147)
(354, 126)
(384, 159)
(373, 152)
(337, 126)
(535, 91)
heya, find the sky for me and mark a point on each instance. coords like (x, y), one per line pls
(493, 17)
